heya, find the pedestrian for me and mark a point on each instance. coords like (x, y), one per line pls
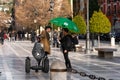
(33, 36)
(1, 37)
(55, 38)
(45, 39)
(66, 43)
(23, 35)
(5, 35)
(12, 36)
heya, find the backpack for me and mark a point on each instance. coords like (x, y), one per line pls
(75, 40)
(70, 43)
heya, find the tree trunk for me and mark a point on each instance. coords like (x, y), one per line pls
(98, 40)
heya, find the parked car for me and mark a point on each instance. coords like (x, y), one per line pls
(117, 37)
(105, 37)
(81, 36)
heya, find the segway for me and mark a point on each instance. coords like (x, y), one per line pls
(42, 64)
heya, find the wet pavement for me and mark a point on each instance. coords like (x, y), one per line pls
(12, 63)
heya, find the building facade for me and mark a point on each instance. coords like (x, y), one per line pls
(111, 8)
(79, 7)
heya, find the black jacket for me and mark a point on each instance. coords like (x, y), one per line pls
(2, 34)
(66, 42)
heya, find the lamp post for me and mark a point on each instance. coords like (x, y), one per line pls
(113, 31)
(114, 21)
(88, 33)
(51, 8)
(35, 21)
(51, 14)
(71, 2)
(13, 16)
(51, 5)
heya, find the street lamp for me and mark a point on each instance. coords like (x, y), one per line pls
(35, 21)
(13, 16)
(88, 33)
(114, 21)
(51, 5)
(113, 31)
(51, 14)
(71, 2)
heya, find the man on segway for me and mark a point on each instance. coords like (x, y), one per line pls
(37, 51)
(40, 52)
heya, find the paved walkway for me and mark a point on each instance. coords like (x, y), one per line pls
(12, 55)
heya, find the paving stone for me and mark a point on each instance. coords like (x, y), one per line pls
(13, 54)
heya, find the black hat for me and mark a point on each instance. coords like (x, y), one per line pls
(48, 27)
(65, 29)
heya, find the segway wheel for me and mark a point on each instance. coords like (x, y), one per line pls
(27, 65)
(45, 65)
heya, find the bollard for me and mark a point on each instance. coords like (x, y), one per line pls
(95, 43)
(58, 71)
(112, 41)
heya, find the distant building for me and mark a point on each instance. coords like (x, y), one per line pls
(111, 8)
(4, 5)
(79, 7)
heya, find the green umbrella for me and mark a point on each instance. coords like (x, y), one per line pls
(65, 23)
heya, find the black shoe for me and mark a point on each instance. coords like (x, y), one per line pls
(69, 69)
(72, 70)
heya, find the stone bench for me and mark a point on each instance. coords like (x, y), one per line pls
(79, 47)
(105, 52)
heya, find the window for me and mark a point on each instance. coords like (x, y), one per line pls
(108, 1)
(115, 9)
(115, 0)
(108, 12)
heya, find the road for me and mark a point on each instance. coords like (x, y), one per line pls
(12, 63)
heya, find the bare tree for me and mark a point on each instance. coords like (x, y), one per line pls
(4, 19)
(32, 10)
(29, 10)
(62, 8)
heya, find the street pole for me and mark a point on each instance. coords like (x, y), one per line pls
(88, 33)
(71, 1)
(13, 16)
(113, 31)
(51, 10)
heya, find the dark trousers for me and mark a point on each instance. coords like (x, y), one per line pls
(67, 60)
(55, 42)
(1, 40)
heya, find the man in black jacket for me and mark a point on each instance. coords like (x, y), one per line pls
(66, 44)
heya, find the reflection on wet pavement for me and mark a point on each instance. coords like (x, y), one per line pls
(12, 63)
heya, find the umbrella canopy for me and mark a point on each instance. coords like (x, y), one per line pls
(65, 23)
